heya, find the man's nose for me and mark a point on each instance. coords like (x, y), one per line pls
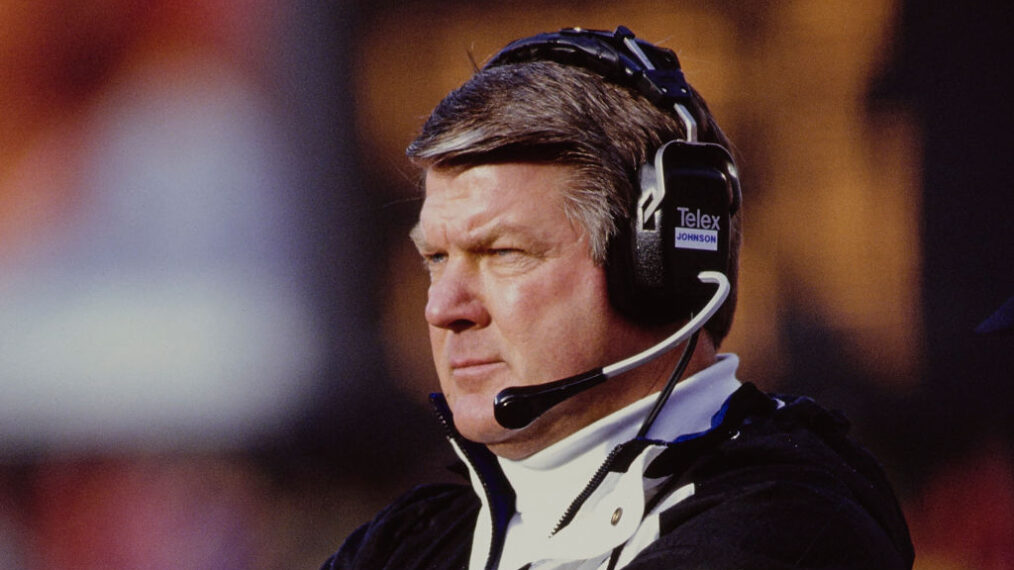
(454, 301)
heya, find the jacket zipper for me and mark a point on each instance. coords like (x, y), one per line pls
(595, 481)
(495, 549)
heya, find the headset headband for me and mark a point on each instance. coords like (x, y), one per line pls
(618, 56)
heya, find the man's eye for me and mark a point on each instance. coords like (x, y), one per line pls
(431, 259)
(505, 252)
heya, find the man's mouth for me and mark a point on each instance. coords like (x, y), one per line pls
(475, 368)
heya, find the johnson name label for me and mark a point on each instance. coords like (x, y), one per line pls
(697, 230)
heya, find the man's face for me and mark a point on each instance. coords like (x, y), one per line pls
(515, 299)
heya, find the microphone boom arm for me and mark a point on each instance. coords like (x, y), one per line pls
(677, 338)
(515, 408)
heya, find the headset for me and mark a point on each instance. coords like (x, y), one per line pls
(675, 244)
(680, 223)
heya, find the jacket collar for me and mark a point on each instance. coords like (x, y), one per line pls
(628, 477)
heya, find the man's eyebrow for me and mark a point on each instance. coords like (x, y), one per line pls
(479, 238)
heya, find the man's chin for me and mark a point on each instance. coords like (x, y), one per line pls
(476, 423)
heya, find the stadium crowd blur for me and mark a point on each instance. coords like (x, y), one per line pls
(212, 351)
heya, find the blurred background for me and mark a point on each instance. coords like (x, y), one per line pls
(212, 350)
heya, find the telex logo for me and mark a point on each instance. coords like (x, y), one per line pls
(697, 230)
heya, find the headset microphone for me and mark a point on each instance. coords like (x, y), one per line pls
(515, 408)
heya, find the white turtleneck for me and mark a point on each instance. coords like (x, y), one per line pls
(547, 482)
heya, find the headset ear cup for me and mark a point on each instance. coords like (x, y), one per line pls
(634, 267)
(678, 227)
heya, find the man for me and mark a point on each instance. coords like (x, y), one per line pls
(563, 232)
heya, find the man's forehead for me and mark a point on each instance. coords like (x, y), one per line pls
(484, 202)
(476, 234)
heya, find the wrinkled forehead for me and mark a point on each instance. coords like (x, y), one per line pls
(482, 201)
